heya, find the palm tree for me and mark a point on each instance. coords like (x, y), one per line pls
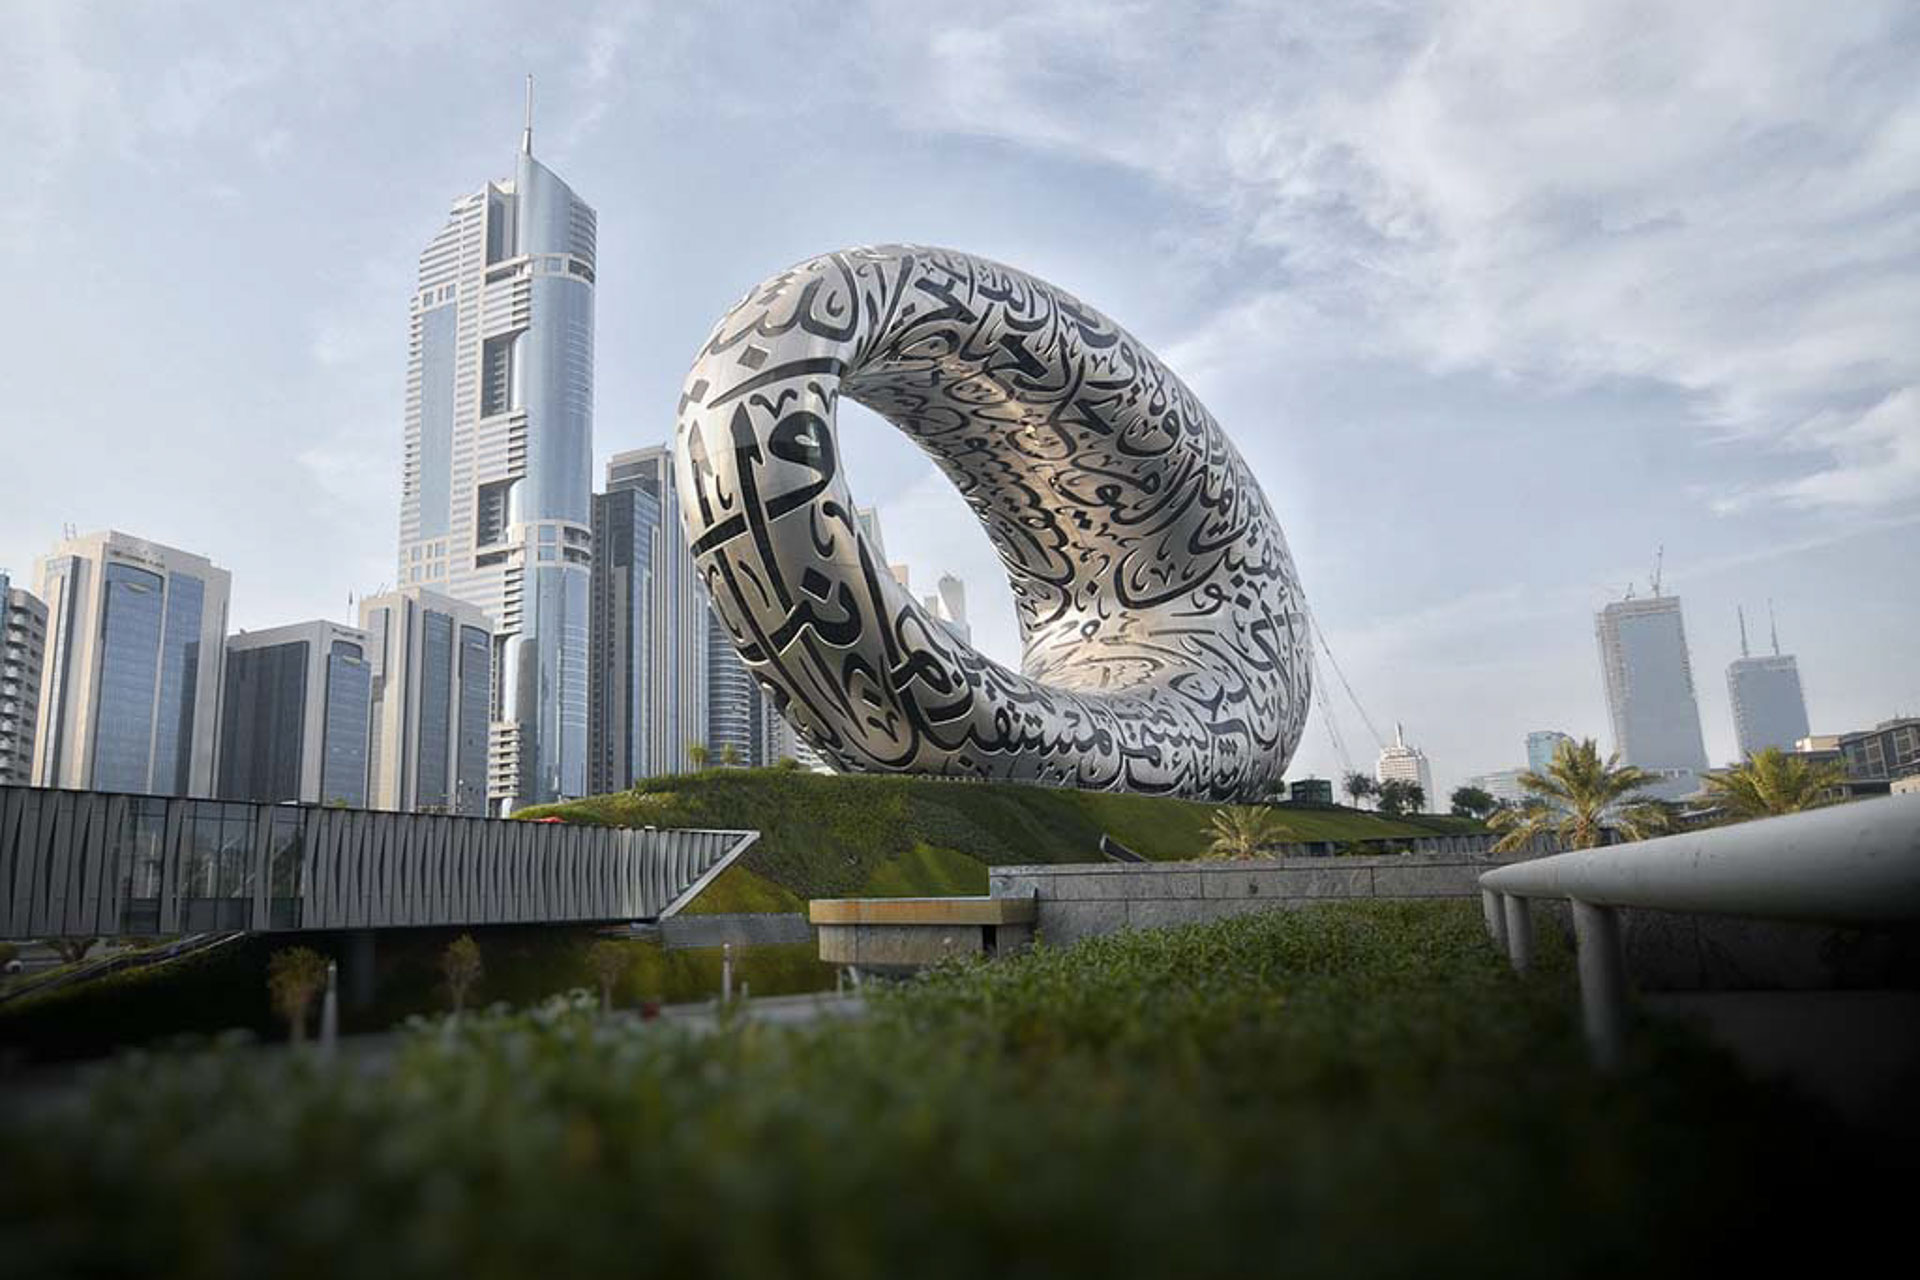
(1358, 787)
(1579, 797)
(698, 754)
(1774, 782)
(1242, 830)
(729, 755)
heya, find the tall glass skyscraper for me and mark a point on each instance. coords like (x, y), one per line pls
(1541, 746)
(1649, 683)
(495, 506)
(294, 720)
(1769, 707)
(621, 684)
(663, 637)
(136, 636)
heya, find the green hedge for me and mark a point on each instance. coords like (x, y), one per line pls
(829, 837)
(1360, 1090)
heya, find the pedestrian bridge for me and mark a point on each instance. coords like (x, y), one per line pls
(99, 864)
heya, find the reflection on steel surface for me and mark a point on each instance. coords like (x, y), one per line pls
(1165, 636)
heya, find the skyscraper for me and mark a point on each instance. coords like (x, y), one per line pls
(23, 649)
(1541, 746)
(1769, 708)
(1649, 684)
(948, 605)
(499, 453)
(620, 688)
(672, 637)
(1402, 763)
(432, 677)
(294, 716)
(136, 637)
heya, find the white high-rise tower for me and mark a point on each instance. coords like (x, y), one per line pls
(496, 497)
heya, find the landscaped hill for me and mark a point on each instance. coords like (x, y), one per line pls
(852, 835)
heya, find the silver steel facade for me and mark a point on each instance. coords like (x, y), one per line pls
(94, 864)
(1649, 684)
(130, 694)
(295, 716)
(1164, 629)
(23, 651)
(499, 452)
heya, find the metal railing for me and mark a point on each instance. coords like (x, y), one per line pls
(1851, 864)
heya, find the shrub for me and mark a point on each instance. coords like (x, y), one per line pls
(294, 977)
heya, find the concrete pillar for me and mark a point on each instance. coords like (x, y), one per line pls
(1603, 982)
(358, 964)
(1519, 913)
(1493, 906)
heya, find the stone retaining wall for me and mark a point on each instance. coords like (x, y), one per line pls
(1084, 900)
(679, 933)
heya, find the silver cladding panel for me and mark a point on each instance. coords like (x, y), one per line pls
(1164, 630)
(98, 864)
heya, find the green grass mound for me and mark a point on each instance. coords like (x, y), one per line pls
(834, 837)
(1360, 1090)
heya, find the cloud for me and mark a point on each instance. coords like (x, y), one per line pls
(1579, 194)
(1877, 456)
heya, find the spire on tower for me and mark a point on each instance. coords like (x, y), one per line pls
(1742, 611)
(1773, 627)
(526, 134)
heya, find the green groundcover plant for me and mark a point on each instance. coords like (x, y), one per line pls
(1356, 1090)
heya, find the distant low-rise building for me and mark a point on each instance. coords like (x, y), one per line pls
(294, 719)
(1885, 753)
(1503, 785)
(1311, 791)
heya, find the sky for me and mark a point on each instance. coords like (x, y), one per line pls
(1497, 300)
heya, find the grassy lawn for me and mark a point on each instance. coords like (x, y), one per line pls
(1358, 1090)
(828, 837)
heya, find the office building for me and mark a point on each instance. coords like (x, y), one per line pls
(294, 717)
(1769, 707)
(1883, 754)
(620, 680)
(1317, 791)
(670, 713)
(1541, 746)
(1402, 763)
(1649, 685)
(948, 605)
(1503, 785)
(432, 681)
(130, 690)
(496, 488)
(23, 651)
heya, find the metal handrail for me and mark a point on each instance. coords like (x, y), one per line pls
(1856, 863)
